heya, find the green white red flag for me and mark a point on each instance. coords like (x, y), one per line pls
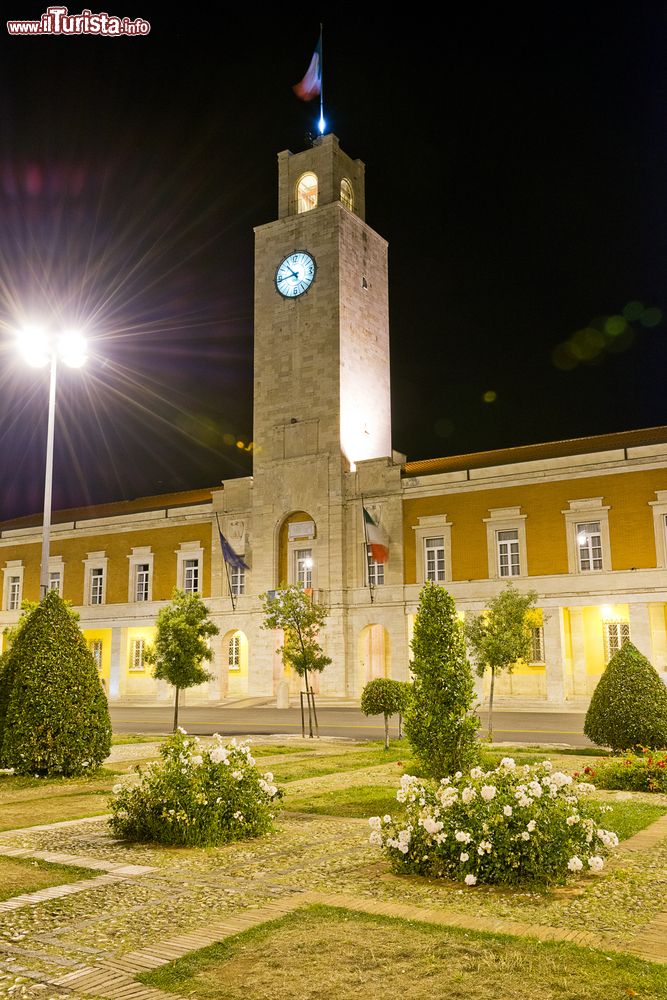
(376, 539)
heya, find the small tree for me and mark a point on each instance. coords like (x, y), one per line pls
(439, 722)
(383, 696)
(292, 610)
(501, 635)
(181, 646)
(629, 705)
(56, 719)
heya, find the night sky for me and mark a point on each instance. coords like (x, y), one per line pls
(516, 166)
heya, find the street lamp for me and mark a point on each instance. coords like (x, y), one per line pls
(38, 350)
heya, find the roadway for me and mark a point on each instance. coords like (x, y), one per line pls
(509, 727)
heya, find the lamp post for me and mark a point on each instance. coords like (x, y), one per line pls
(39, 350)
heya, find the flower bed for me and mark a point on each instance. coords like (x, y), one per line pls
(196, 796)
(635, 772)
(510, 825)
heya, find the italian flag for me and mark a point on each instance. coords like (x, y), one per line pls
(376, 539)
(311, 85)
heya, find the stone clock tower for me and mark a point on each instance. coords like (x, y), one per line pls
(322, 396)
(322, 356)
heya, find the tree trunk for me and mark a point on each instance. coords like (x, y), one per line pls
(400, 725)
(493, 680)
(386, 731)
(310, 711)
(176, 710)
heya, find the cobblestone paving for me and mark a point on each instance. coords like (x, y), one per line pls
(152, 904)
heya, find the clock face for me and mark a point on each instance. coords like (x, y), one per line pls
(295, 274)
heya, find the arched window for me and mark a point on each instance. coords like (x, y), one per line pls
(235, 651)
(306, 193)
(347, 194)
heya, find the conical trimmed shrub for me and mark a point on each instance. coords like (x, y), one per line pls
(440, 722)
(57, 720)
(629, 705)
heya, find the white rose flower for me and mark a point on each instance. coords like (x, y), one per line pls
(462, 837)
(197, 760)
(476, 772)
(470, 879)
(488, 792)
(375, 822)
(525, 835)
(387, 818)
(572, 820)
(116, 789)
(531, 826)
(507, 810)
(268, 776)
(403, 848)
(464, 856)
(575, 864)
(468, 795)
(596, 863)
(508, 763)
(432, 825)
(375, 838)
(459, 774)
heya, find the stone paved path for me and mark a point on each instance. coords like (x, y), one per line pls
(150, 905)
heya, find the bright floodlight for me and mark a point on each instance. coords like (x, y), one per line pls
(72, 349)
(308, 563)
(582, 538)
(34, 346)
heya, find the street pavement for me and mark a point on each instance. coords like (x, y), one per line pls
(343, 721)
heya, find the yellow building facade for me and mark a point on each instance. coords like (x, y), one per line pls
(582, 522)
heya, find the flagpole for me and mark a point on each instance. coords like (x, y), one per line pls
(229, 582)
(321, 82)
(368, 554)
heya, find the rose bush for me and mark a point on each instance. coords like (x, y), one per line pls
(196, 796)
(635, 773)
(511, 825)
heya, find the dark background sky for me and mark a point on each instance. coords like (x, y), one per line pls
(515, 163)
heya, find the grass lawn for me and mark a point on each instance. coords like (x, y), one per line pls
(121, 739)
(353, 759)
(28, 801)
(18, 875)
(322, 951)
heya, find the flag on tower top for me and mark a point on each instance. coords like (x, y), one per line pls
(311, 85)
(376, 539)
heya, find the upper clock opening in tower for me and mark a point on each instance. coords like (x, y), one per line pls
(320, 176)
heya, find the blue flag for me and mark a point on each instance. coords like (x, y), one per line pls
(228, 554)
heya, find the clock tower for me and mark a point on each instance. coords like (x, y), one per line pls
(321, 316)
(321, 400)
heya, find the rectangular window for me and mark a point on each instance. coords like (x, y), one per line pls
(95, 647)
(13, 593)
(237, 580)
(191, 576)
(235, 652)
(56, 581)
(375, 573)
(615, 634)
(508, 553)
(537, 645)
(141, 581)
(96, 585)
(304, 568)
(589, 546)
(137, 654)
(434, 558)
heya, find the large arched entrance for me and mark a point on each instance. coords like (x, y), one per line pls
(373, 654)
